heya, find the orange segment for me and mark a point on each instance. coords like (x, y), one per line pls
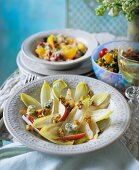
(108, 58)
(50, 40)
(40, 51)
(69, 54)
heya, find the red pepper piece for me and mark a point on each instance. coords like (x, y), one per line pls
(72, 137)
(30, 118)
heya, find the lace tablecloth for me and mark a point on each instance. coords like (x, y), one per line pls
(130, 138)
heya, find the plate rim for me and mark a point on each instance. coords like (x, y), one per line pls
(77, 70)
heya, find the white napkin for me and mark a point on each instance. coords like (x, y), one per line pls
(113, 157)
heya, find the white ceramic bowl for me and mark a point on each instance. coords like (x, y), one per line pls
(30, 44)
(42, 69)
(119, 119)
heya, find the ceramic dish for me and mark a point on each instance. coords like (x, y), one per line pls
(119, 119)
(25, 70)
(114, 79)
(41, 70)
(29, 45)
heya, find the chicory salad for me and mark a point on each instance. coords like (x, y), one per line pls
(64, 115)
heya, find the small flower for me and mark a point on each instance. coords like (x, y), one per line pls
(128, 7)
(113, 12)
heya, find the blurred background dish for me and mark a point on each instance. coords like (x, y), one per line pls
(30, 67)
(68, 14)
(25, 71)
(112, 78)
(30, 44)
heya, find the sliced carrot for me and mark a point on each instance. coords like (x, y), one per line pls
(108, 58)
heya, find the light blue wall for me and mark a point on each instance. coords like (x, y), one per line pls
(21, 18)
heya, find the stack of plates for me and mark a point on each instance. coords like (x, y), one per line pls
(27, 66)
(28, 63)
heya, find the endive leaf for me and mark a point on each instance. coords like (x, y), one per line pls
(28, 100)
(69, 95)
(86, 129)
(90, 128)
(58, 87)
(105, 104)
(43, 121)
(86, 109)
(86, 103)
(101, 114)
(51, 134)
(55, 106)
(81, 90)
(78, 115)
(94, 127)
(45, 93)
(80, 141)
(103, 124)
(99, 98)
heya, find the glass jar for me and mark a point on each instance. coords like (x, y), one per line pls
(133, 29)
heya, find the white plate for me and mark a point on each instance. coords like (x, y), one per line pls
(29, 45)
(25, 70)
(41, 69)
(119, 119)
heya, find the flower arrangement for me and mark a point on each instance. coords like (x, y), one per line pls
(114, 7)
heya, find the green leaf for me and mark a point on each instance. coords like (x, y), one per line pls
(103, 124)
(51, 134)
(86, 129)
(99, 98)
(91, 129)
(80, 141)
(55, 106)
(101, 114)
(58, 87)
(69, 94)
(43, 121)
(45, 93)
(94, 127)
(81, 91)
(28, 100)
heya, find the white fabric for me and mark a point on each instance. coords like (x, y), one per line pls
(113, 157)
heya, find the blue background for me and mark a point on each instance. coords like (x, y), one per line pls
(21, 18)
